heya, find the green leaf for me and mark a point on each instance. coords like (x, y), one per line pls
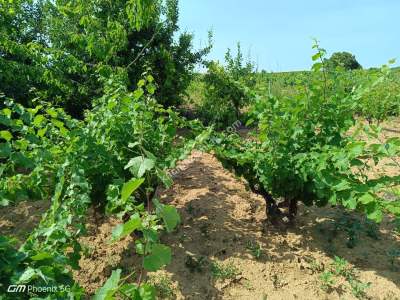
(138, 93)
(150, 235)
(107, 291)
(151, 88)
(27, 275)
(355, 149)
(6, 135)
(129, 187)
(57, 123)
(52, 113)
(159, 257)
(139, 165)
(139, 247)
(41, 256)
(7, 112)
(316, 56)
(38, 120)
(249, 122)
(5, 150)
(164, 177)
(374, 212)
(168, 213)
(147, 292)
(350, 203)
(127, 228)
(42, 132)
(366, 199)
(170, 217)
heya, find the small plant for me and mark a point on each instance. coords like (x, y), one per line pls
(223, 272)
(396, 224)
(164, 287)
(354, 228)
(87, 251)
(255, 249)
(195, 264)
(351, 226)
(247, 284)
(341, 268)
(316, 266)
(190, 209)
(358, 288)
(371, 229)
(327, 280)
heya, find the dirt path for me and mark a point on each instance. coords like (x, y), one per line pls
(223, 231)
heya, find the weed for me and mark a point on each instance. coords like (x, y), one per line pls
(358, 288)
(316, 266)
(221, 271)
(190, 209)
(164, 286)
(341, 268)
(371, 229)
(195, 264)
(255, 249)
(396, 224)
(354, 227)
(182, 238)
(247, 284)
(327, 280)
(87, 251)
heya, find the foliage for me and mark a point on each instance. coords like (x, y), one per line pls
(255, 249)
(340, 268)
(382, 98)
(20, 43)
(45, 153)
(155, 255)
(164, 286)
(224, 271)
(227, 90)
(67, 51)
(378, 102)
(345, 60)
(305, 153)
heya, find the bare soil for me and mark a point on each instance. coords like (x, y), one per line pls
(221, 219)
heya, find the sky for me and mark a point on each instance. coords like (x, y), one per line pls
(278, 34)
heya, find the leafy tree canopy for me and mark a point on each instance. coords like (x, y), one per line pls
(345, 60)
(67, 51)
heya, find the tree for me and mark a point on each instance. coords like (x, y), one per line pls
(86, 43)
(227, 89)
(344, 59)
(21, 25)
(105, 36)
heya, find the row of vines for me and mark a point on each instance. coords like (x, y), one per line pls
(313, 146)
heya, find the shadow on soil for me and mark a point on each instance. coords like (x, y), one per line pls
(212, 227)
